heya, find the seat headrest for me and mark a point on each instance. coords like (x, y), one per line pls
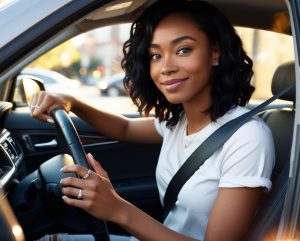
(284, 76)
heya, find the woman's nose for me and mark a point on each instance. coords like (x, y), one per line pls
(169, 66)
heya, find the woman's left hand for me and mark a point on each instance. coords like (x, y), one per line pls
(93, 192)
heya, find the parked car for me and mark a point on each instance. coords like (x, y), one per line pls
(112, 85)
(32, 152)
(53, 81)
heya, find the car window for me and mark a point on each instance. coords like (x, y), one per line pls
(268, 50)
(94, 59)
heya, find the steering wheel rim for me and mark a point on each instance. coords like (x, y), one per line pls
(67, 130)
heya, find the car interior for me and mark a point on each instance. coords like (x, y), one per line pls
(32, 152)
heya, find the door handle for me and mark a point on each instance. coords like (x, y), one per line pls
(50, 144)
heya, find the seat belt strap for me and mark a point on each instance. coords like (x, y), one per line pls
(207, 148)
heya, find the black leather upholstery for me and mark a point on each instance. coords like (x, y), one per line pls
(281, 122)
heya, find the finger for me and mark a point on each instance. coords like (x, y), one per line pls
(96, 165)
(70, 191)
(72, 182)
(37, 109)
(44, 113)
(46, 104)
(50, 103)
(73, 202)
(74, 192)
(40, 97)
(42, 117)
(38, 114)
(76, 169)
(34, 99)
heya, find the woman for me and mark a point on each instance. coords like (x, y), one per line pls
(184, 61)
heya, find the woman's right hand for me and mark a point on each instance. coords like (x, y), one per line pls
(43, 103)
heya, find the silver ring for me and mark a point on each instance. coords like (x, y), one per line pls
(34, 106)
(87, 174)
(79, 196)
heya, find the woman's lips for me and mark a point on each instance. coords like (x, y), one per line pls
(173, 84)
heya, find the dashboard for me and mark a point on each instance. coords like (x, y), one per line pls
(11, 155)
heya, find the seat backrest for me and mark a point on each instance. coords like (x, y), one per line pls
(280, 122)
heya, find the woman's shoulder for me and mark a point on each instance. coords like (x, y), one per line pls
(255, 130)
(240, 110)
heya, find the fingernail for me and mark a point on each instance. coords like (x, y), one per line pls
(50, 120)
(62, 169)
(90, 155)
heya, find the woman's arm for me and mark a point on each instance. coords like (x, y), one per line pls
(230, 218)
(232, 214)
(117, 126)
(111, 125)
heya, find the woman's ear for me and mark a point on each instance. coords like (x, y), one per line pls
(216, 52)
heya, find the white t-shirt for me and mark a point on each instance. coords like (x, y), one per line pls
(245, 160)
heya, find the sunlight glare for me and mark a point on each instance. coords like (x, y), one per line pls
(18, 232)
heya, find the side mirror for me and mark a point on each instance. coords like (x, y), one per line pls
(25, 87)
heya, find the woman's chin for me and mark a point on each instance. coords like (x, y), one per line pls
(174, 101)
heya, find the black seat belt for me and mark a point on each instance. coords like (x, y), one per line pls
(207, 148)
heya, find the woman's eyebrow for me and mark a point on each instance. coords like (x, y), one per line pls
(179, 39)
(174, 41)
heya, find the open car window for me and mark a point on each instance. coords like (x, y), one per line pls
(92, 62)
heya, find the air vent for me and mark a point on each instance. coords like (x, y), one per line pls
(10, 146)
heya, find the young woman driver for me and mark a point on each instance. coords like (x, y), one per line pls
(185, 61)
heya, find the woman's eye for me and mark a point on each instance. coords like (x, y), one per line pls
(154, 56)
(184, 51)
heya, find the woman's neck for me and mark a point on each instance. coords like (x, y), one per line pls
(197, 122)
(197, 118)
(197, 112)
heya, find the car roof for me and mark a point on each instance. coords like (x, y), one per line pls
(260, 14)
(252, 13)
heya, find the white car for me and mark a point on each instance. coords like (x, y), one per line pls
(53, 81)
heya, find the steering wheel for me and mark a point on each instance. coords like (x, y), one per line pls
(39, 193)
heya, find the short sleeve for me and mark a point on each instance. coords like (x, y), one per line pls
(160, 127)
(249, 157)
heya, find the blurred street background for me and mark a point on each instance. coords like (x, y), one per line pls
(92, 62)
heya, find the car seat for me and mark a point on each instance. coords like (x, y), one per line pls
(281, 123)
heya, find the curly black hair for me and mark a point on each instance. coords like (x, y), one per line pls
(231, 79)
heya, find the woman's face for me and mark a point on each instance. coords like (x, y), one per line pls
(181, 60)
